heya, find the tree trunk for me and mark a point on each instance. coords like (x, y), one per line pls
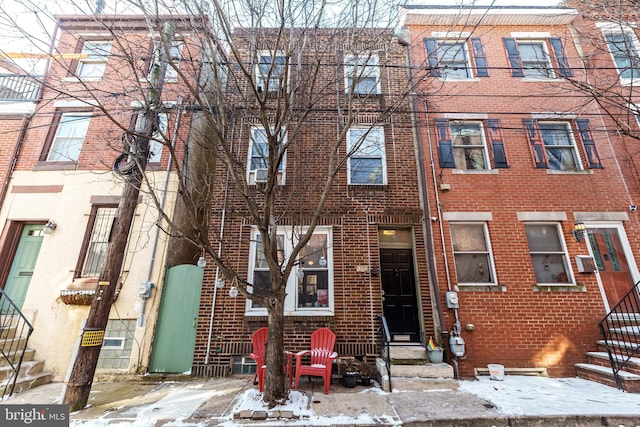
(276, 386)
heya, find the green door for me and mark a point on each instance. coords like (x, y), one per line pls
(24, 261)
(175, 337)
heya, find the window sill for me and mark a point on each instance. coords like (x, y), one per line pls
(379, 187)
(262, 314)
(489, 287)
(539, 79)
(561, 172)
(468, 79)
(474, 171)
(564, 287)
(51, 166)
(78, 79)
(629, 82)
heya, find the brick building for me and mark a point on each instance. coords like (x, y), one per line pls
(348, 90)
(515, 155)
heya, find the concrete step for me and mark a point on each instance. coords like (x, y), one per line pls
(407, 353)
(26, 383)
(28, 368)
(14, 356)
(604, 375)
(601, 358)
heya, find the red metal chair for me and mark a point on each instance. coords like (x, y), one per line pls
(259, 341)
(321, 357)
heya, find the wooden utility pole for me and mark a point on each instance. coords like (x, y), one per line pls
(79, 384)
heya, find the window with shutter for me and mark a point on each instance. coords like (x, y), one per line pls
(452, 58)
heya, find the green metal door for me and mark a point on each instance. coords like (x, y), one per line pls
(24, 261)
(175, 337)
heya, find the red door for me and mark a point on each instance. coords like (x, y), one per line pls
(612, 263)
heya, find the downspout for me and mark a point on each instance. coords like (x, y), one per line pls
(422, 184)
(14, 157)
(154, 250)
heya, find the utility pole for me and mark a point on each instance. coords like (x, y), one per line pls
(84, 367)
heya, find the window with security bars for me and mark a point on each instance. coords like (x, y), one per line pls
(95, 247)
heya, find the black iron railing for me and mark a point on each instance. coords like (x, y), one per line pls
(15, 331)
(385, 351)
(18, 88)
(620, 329)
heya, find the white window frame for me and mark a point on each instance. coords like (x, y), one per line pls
(356, 150)
(79, 135)
(363, 65)
(289, 237)
(488, 252)
(571, 146)
(106, 346)
(252, 172)
(93, 60)
(546, 60)
(563, 253)
(634, 44)
(456, 147)
(442, 64)
(274, 78)
(159, 135)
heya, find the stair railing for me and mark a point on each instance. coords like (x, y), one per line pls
(620, 329)
(385, 351)
(15, 331)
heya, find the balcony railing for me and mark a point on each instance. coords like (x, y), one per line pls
(18, 88)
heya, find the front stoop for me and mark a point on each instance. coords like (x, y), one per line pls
(630, 382)
(31, 373)
(411, 371)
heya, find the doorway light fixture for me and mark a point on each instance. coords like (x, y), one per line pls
(578, 230)
(49, 227)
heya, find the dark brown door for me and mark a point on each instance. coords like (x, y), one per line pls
(612, 263)
(399, 299)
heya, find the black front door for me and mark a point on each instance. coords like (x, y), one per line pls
(399, 294)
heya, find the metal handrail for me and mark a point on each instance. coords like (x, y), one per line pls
(385, 340)
(15, 87)
(15, 331)
(620, 329)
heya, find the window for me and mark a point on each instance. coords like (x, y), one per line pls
(367, 163)
(364, 69)
(92, 67)
(472, 254)
(270, 72)
(158, 136)
(530, 57)
(463, 144)
(117, 345)
(310, 285)
(258, 163)
(554, 146)
(96, 241)
(174, 56)
(70, 131)
(548, 255)
(625, 49)
(451, 59)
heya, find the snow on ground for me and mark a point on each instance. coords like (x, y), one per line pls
(523, 395)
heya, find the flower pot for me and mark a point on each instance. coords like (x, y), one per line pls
(350, 379)
(436, 355)
(365, 381)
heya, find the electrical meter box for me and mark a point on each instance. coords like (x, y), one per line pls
(144, 290)
(457, 346)
(452, 299)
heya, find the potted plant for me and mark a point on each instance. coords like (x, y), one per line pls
(365, 372)
(349, 368)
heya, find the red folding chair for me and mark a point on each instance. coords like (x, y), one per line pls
(321, 357)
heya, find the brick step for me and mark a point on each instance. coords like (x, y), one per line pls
(14, 356)
(604, 375)
(601, 358)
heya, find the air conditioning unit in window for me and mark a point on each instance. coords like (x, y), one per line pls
(261, 176)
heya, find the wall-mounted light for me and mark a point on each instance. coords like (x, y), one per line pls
(49, 227)
(578, 230)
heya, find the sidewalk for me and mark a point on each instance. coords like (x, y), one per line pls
(149, 401)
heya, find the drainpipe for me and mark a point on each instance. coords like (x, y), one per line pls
(422, 183)
(14, 157)
(154, 250)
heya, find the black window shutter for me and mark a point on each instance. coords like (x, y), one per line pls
(497, 143)
(588, 143)
(513, 56)
(535, 143)
(480, 57)
(445, 147)
(431, 46)
(563, 64)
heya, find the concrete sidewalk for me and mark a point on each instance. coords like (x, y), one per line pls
(185, 401)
